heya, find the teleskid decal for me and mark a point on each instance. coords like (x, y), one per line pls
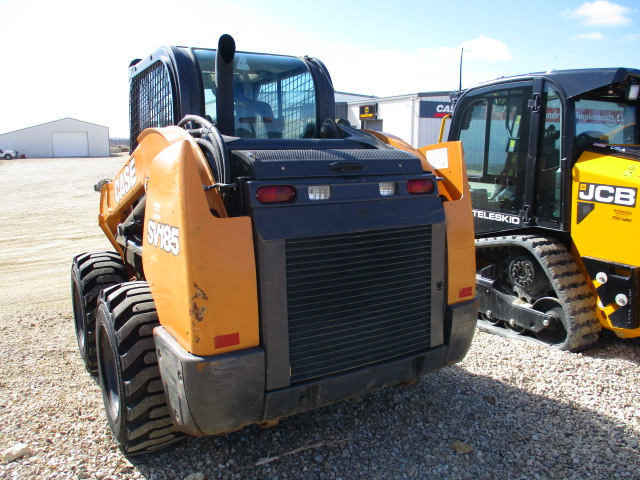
(163, 236)
(125, 180)
(610, 194)
(497, 217)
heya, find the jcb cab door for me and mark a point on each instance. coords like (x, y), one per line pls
(495, 124)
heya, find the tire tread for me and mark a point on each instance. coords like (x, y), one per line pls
(91, 273)
(147, 423)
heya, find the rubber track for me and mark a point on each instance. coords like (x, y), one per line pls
(148, 425)
(95, 272)
(568, 282)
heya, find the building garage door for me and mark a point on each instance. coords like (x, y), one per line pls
(70, 144)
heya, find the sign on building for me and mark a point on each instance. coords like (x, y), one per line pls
(369, 112)
(431, 109)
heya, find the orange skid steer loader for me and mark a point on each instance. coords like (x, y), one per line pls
(268, 259)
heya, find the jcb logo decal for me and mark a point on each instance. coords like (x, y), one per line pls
(163, 236)
(125, 180)
(611, 194)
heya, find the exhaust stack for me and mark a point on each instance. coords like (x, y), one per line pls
(224, 85)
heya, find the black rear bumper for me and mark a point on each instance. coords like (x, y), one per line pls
(221, 393)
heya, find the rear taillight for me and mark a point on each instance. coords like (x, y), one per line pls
(420, 185)
(276, 194)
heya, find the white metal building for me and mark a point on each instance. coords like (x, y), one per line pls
(415, 118)
(66, 137)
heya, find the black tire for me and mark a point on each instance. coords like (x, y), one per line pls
(129, 376)
(7, 157)
(90, 274)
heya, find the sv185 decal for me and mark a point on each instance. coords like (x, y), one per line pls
(163, 236)
(611, 194)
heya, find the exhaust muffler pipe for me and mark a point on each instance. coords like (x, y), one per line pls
(224, 85)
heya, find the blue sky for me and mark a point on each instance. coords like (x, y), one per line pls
(69, 58)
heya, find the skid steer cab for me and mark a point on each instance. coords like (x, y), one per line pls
(267, 259)
(553, 163)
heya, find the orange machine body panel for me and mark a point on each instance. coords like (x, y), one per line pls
(447, 161)
(200, 266)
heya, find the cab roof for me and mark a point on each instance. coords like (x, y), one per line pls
(578, 81)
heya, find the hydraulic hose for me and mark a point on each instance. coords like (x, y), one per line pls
(211, 139)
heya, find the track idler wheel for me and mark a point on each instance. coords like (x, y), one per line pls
(490, 319)
(555, 333)
(514, 328)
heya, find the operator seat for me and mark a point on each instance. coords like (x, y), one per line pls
(255, 119)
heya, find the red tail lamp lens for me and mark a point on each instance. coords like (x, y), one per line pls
(276, 194)
(420, 185)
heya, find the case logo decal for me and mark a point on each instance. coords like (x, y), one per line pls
(125, 180)
(610, 194)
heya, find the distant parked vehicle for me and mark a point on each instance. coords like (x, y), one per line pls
(8, 154)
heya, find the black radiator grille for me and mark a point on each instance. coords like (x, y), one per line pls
(357, 299)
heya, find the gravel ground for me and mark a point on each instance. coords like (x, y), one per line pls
(510, 410)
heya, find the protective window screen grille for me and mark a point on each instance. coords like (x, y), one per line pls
(297, 102)
(357, 299)
(151, 101)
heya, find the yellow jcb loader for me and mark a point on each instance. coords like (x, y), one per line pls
(554, 170)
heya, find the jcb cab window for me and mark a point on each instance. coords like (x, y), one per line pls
(608, 115)
(494, 137)
(274, 96)
(606, 122)
(549, 181)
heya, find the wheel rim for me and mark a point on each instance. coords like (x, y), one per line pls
(556, 332)
(108, 374)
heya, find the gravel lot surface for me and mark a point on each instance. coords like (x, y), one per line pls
(510, 410)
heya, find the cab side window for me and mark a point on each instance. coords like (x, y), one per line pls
(494, 134)
(549, 154)
(472, 135)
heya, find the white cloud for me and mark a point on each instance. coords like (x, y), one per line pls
(600, 13)
(481, 48)
(589, 36)
(396, 72)
(487, 49)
